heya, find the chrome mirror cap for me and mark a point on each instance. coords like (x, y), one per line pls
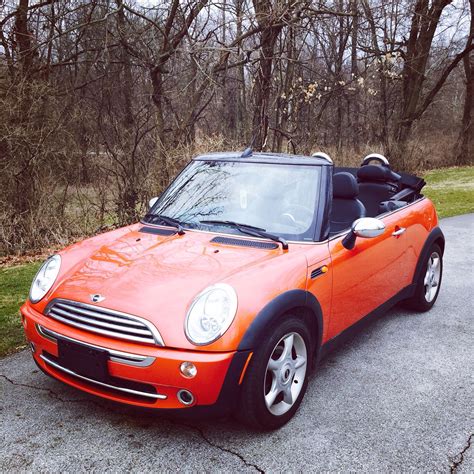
(368, 227)
(152, 202)
(365, 227)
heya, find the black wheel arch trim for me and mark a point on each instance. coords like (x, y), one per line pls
(278, 307)
(436, 235)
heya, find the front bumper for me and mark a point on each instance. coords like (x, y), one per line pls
(141, 375)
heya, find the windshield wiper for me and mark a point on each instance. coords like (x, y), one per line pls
(249, 230)
(231, 223)
(170, 221)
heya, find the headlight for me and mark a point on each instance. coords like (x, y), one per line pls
(211, 314)
(45, 278)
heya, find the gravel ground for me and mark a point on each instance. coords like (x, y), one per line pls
(398, 397)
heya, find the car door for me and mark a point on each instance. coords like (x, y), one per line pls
(371, 273)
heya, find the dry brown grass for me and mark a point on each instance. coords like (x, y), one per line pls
(421, 154)
(69, 213)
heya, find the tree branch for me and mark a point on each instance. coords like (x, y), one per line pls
(436, 88)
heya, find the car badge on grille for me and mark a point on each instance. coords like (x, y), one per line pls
(97, 298)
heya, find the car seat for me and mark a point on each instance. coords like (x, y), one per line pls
(376, 184)
(346, 208)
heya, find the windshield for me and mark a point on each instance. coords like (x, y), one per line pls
(279, 198)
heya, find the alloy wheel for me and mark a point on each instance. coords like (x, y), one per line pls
(285, 374)
(432, 276)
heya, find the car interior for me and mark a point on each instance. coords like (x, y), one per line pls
(346, 205)
(370, 191)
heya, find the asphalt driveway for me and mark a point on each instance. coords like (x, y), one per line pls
(399, 396)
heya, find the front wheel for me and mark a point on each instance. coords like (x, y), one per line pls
(429, 283)
(277, 377)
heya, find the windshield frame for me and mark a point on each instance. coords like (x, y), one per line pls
(318, 224)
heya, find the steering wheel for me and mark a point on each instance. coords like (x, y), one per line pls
(289, 217)
(303, 213)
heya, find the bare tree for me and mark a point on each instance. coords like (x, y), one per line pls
(425, 21)
(103, 102)
(466, 134)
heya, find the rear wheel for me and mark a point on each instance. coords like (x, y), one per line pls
(277, 377)
(429, 283)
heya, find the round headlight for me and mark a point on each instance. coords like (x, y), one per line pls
(211, 313)
(45, 278)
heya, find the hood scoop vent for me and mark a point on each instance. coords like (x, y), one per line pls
(157, 231)
(244, 243)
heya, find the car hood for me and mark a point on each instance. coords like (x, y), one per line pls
(157, 277)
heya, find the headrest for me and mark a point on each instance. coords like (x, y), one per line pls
(377, 173)
(345, 185)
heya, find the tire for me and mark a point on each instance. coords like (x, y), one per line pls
(429, 283)
(287, 377)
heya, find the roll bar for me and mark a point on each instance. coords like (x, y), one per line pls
(377, 157)
(324, 156)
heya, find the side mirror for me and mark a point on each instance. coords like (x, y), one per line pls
(152, 202)
(366, 228)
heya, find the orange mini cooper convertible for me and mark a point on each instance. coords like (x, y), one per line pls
(242, 275)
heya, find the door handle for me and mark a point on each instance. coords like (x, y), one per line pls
(399, 231)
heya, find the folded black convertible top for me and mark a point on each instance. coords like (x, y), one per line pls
(407, 180)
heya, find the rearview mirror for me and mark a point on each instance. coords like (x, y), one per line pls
(152, 202)
(366, 228)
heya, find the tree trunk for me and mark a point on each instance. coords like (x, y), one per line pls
(263, 81)
(342, 39)
(282, 104)
(157, 97)
(23, 38)
(25, 195)
(425, 20)
(128, 193)
(241, 109)
(465, 154)
(355, 74)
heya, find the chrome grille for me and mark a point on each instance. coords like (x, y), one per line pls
(106, 322)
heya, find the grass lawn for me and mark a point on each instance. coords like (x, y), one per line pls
(14, 287)
(451, 190)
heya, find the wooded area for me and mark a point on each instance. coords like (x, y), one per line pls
(104, 101)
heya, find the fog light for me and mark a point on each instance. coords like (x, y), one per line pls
(185, 397)
(188, 370)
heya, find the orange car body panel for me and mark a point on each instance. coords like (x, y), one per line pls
(156, 278)
(377, 269)
(163, 374)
